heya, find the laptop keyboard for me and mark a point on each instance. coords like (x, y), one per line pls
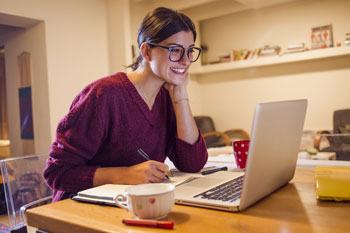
(227, 192)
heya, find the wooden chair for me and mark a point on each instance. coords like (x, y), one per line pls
(237, 134)
(215, 138)
(222, 139)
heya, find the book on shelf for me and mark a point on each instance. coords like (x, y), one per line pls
(295, 50)
(243, 54)
(239, 54)
(296, 47)
(270, 50)
(258, 51)
(234, 54)
(225, 58)
(251, 54)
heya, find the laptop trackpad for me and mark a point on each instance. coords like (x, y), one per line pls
(203, 182)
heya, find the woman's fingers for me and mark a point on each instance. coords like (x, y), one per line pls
(149, 172)
(158, 171)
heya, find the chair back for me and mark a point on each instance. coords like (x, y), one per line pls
(206, 125)
(24, 186)
(341, 125)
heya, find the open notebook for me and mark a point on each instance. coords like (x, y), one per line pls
(102, 195)
(106, 194)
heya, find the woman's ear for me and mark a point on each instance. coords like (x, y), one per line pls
(146, 51)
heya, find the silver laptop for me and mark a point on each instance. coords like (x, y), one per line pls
(273, 151)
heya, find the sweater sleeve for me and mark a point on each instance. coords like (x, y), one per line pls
(190, 157)
(186, 157)
(78, 138)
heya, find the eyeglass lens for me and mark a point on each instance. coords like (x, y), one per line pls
(177, 53)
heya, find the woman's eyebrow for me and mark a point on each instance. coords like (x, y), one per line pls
(175, 44)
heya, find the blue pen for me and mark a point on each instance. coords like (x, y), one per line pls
(145, 156)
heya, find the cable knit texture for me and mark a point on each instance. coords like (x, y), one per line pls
(106, 124)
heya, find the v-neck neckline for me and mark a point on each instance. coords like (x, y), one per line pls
(140, 102)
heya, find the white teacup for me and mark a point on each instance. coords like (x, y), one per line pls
(148, 201)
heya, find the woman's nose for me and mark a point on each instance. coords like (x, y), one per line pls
(185, 59)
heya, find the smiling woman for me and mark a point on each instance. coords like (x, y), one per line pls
(148, 108)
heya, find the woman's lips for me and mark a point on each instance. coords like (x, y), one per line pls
(177, 70)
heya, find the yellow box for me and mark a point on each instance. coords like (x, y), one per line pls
(332, 183)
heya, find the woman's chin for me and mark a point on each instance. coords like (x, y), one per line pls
(178, 79)
(176, 82)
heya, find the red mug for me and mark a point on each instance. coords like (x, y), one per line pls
(240, 150)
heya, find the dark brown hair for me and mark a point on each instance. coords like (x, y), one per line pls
(160, 24)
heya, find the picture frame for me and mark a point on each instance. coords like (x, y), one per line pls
(26, 114)
(322, 37)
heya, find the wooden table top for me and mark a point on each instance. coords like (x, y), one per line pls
(293, 208)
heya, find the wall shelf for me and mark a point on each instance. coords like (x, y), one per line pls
(273, 60)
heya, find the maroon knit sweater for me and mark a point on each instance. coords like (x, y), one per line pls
(106, 124)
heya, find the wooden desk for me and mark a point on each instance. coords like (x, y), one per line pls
(293, 208)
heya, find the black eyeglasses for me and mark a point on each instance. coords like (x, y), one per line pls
(177, 52)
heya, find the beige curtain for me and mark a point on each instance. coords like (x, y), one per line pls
(3, 104)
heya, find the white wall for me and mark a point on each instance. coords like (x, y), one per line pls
(31, 40)
(76, 43)
(230, 97)
(119, 35)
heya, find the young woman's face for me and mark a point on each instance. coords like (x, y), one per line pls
(169, 71)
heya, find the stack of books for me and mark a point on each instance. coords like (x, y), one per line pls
(297, 47)
(244, 54)
(225, 58)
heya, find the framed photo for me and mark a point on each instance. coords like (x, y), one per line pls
(322, 37)
(26, 115)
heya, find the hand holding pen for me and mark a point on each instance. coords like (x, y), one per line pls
(146, 157)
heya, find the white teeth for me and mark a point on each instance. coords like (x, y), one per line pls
(178, 70)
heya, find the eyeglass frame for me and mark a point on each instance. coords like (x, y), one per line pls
(184, 51)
